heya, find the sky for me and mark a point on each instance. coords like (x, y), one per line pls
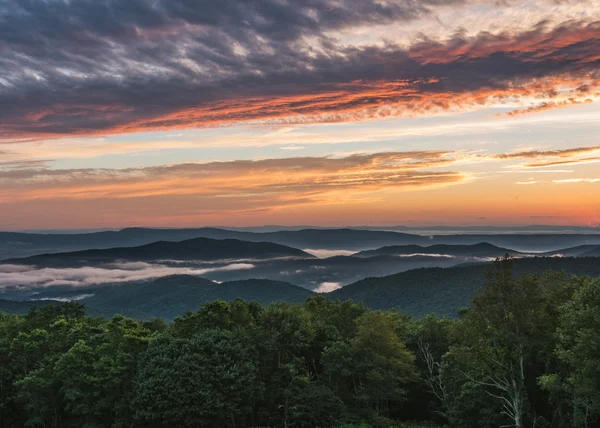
(173, 113)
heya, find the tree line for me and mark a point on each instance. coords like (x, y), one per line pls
(525, 354)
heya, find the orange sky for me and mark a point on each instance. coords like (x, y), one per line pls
(329, 113)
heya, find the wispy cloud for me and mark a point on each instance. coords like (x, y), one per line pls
(552, 163)
(283, 180)
(31, 276)
(577, 180)
(323, 254)
(551, 158)
(560, 153)
(548, 105)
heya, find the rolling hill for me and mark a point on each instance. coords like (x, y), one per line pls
(165, 297)
(445, 290)
(416, 292)
(481, 250)
(204, 249)
(16, 244)
(579, 251)
(595, 252)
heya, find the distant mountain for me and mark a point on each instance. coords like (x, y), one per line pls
(22, 307)
(311, 273)
(595, 252)
(578, 251)
(14, 244)
(171, 296)
(204, 249)
(481, 250)
(443, 291)
(165, 297)
(416, 292)
(15, 307)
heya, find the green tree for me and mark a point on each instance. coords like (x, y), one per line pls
(579, 348)
(314, 405)
(208, 380)
(506, 340)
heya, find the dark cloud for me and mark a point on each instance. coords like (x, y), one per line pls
(564, 153)
(549, 105)
(544, 164)
(87, 66)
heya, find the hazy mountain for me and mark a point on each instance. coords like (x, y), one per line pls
(443, 291)
(55, 272)
(570, 252)
(13, 244)
(172, 296)
(311, 273)
(482, 250)
(595, 252)
(192, 249)
(416, 292)
(19, 307)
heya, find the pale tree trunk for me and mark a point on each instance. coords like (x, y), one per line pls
(434, 379)
(510, 388)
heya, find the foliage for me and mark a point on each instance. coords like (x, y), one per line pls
(526, 353)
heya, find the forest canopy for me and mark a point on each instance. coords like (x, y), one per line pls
(525, 354)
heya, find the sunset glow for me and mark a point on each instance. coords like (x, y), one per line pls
(171, 113)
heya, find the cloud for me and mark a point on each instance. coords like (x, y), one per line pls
(551, 158)
(291, 148)
(189, 192)
(87, 67)
(328, 287)
(442, 256)
(545, 164)
(31, 276)
(249, 191)
(67, 299)
(578, 180)
(563, 153)
(295, 180)
(323, 254)
(548, 105)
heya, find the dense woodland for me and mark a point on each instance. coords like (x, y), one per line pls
(526, 353)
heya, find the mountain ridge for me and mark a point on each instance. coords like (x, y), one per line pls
(192, 249)
(23, 244)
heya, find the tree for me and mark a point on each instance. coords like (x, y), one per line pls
(208, 380)
(579, 348)
(430, 340)
(505, 339)
(379, 366)
(314, 405)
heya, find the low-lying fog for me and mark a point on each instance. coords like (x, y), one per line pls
(332, 270)
(32, 276)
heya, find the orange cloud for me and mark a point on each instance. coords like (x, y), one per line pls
(422, 186)
(548, 105)
(565, 153)
(545, 164)
(273, 181)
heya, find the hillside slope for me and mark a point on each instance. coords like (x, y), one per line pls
(483, 250)
(445, 290)
(17, 244)
(171, 296)
(204, 249)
